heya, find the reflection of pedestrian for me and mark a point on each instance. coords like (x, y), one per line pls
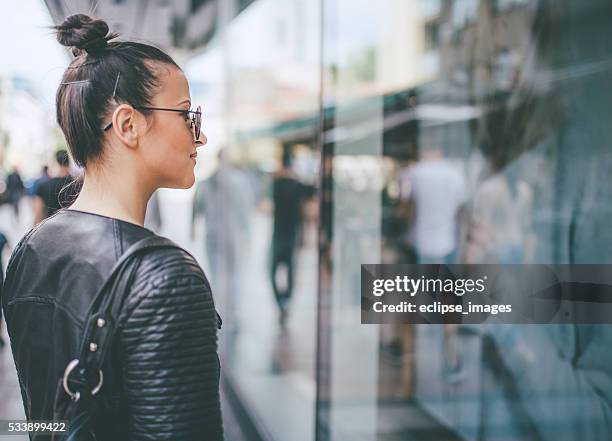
(437, 191)
(56, 192)
(14, 188)
(499, 220)
(499, 223)
(288, 194)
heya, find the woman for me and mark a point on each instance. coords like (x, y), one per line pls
(124, 108)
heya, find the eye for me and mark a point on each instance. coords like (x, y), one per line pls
(185, 114)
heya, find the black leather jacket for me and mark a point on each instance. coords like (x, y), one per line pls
(162, 378)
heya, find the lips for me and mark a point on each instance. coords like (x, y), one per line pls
(193, 155)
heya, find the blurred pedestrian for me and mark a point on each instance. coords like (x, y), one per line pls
(44, 176)
(435, 189)
(14, 188)
(56, 192)
(288, 194)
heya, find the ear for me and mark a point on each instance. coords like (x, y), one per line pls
(125, 126)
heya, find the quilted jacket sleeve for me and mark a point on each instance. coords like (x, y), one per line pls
(169, 341)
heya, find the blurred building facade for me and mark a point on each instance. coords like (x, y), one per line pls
(26, 128)
(469, 131)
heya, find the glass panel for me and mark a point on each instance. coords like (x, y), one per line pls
(257, 200)
(475, 132)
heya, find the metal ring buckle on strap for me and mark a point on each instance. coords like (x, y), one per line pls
(76, 395)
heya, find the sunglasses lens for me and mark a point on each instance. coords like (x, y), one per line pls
(198, 122)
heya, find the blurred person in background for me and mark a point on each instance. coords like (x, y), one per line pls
(288, 195)
(44, 176)
(125, 110)
(499, 217)
(436, 190)
(56, 192)
(14, 187)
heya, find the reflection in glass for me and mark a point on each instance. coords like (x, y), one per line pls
(494, 116)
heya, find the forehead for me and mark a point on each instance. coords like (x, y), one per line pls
(173, 85)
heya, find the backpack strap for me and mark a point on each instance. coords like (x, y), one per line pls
(85, 372)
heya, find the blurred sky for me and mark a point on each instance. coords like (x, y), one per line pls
(28, 47)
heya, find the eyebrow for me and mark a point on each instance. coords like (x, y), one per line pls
(184, 101)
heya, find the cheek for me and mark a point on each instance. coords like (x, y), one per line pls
(169, 144)
(170, 163)
(176, 136)
(166, 149)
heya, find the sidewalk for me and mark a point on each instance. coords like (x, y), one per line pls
(11, 407)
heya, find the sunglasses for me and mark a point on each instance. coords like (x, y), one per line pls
(195, 124)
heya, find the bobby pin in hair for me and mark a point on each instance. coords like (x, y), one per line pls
(75, 82)
(116, 83)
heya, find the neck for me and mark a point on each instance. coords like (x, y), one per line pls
(123, 197)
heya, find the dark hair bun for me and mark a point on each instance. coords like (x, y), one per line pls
(82, 32)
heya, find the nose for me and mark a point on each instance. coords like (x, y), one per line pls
(202, 140)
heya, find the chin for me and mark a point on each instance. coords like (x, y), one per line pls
(181, 181)
(178, 184)
(189, 181)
